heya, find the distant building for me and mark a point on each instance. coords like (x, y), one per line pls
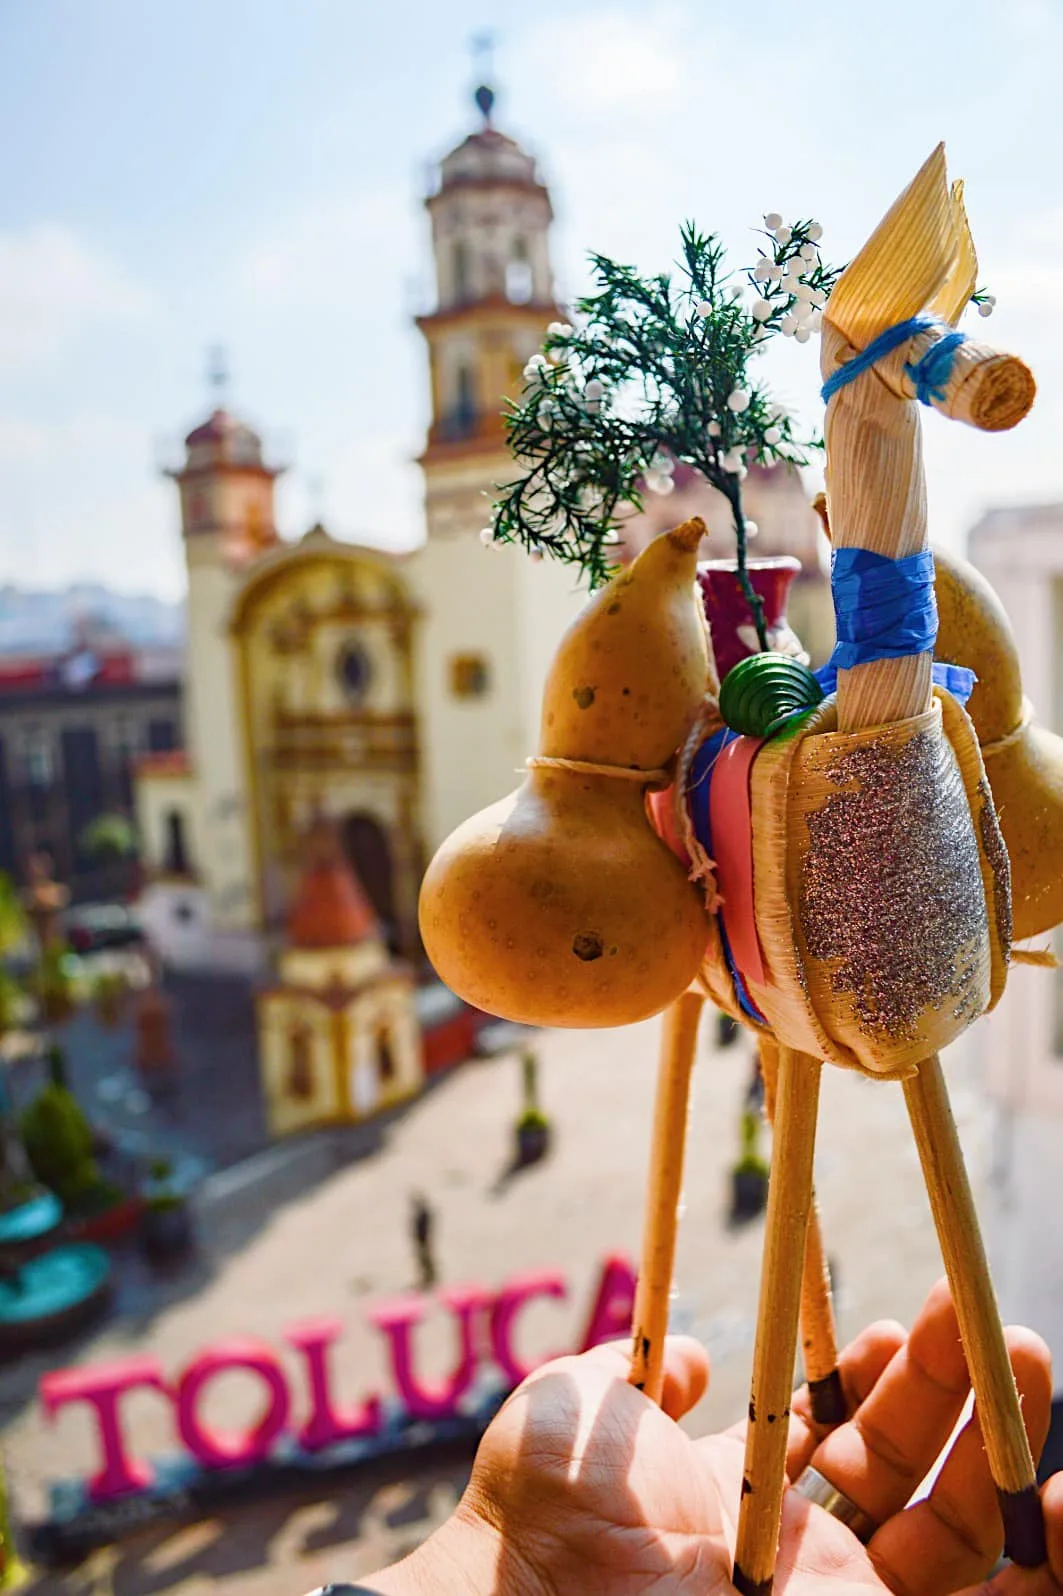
(1020, 551)
(73, 725)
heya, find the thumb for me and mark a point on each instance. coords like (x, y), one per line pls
(686, 1370)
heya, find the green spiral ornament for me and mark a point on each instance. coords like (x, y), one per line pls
(760, 694)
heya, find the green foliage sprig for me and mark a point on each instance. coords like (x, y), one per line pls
(657, 371)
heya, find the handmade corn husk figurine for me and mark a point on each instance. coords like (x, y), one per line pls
(787, 804)
(877, 978)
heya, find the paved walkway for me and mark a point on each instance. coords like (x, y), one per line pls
(337, 1240)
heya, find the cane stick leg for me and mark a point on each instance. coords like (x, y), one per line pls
(952, 1205)
(650, 1326)
(819, 1343)
(789, 1201)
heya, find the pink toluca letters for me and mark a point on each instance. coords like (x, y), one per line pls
(485, 1324)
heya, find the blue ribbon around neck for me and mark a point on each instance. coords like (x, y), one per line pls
(930, 374)
(883, 608)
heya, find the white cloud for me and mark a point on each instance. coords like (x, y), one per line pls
(53, 286)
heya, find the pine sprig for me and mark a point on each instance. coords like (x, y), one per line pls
(656, 371)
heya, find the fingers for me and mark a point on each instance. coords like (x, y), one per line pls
(889, 1445)
(686, 1370)
(955, 1535)
(861, 1366)
(1052, 1497)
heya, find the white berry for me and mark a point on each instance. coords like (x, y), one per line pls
(714, 429)
(772, 435)
(815, 232)
(772, 221)
(738, 400)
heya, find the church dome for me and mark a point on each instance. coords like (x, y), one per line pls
(225, 438)
(488, 156)
(330, 909)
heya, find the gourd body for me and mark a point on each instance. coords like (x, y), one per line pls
(559, 905)
(1023, 763)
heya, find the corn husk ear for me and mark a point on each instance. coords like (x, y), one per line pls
(963, 278)
(906, 264)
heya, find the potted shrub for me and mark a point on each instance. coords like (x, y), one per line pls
(749, 1176)
(109, 993)
(533, 1127)
(166, 1230)
(61, 1147)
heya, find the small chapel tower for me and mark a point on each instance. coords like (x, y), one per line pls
(193, 806)
(492, 618)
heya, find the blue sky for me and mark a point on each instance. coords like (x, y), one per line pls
(249, 172)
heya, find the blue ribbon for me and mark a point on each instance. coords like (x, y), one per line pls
(930, 374)
(884, 609)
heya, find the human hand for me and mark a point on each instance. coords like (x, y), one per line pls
(582, 1486)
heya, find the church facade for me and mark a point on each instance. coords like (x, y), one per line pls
(389, 695)
(392, 696)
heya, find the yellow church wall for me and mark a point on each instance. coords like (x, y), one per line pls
(215, 743)
(323, 634)
(487, 603)
(159, 796)
(298, 1038)
(322, 968)
(385, 1009)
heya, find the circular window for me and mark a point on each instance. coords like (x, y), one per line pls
(354, 670)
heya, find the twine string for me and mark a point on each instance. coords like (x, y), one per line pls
(590, 767)
(998, 744)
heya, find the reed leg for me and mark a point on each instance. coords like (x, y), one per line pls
(789, 1202)
(652, 1295)
(952, 1205)
(819, 1343)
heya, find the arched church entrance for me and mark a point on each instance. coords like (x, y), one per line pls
(365, 843)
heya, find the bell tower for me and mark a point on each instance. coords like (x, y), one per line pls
(490, 217)
(491, 618)
(226, 487)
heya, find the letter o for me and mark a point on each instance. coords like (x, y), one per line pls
(220, 1449)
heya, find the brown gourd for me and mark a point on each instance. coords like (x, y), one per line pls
(559, 905)
(1023, 762)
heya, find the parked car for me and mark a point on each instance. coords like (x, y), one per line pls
(92, 927)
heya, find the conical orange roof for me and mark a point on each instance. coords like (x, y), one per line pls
(331, 909)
